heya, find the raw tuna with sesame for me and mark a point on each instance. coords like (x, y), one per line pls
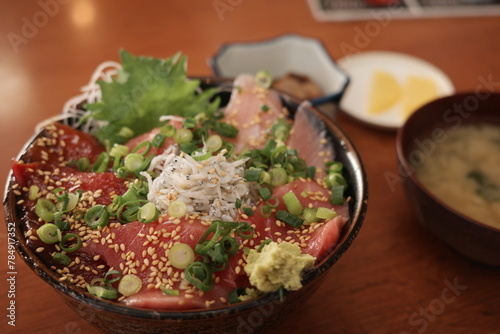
(166, 221)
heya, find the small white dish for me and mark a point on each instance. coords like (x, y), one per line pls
(281, 56)
(361, 66)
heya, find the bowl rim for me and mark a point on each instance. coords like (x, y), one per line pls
(333, 97)
(352, 227)
(409, 169)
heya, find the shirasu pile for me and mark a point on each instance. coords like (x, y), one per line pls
(210, 188)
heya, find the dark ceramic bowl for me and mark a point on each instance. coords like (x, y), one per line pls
(246, 317)
(465, 235)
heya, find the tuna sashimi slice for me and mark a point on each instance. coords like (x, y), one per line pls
(59, 143)
(142, 249)
(253, 110)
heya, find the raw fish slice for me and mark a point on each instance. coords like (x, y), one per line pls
(316, 239)
(309, 135)
(148, 244)
(253, 111)
(58, 142)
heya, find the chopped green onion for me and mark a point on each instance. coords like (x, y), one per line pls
(112, 280)
(279, 176)
(229, 147)
(265, 177)
(325, 213)
(281, 130)
(49, 233)
(273, 201)
(234, 295)
(62, 258)
(83, 164)
(168, 130)
(337, 197)
(225, 129)
(62, 225)
(333, 179)
(148, 213)
(126, 132)
(133, 162)
(146, 145)
(245, 230)
(279, 156)
(105, 292)
(177, 209)
(73, 247)
(198, 274)
(181, 255)
(265, 193)
(189, 122)
(118, 151)
(74, 198)
(45, 209)
(289, 219)
(252, 174)
(266, 211)
(33, 192)
(169, 292)
(97, 216)
(101, 163)
(214, 143)
(201, 154)
(309, 215)
(248, 211)
(230, 245)
(263, 244)
(263, 79)
(292, 203)
(311, 172)
(334, 167)
(183, 136)
(158, 140)
(269, 147)
(129, 285)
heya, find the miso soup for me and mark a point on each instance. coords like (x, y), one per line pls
(463, 171)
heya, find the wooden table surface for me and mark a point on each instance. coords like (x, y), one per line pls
(396, 277)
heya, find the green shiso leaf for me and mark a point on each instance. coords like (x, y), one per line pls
(145, 89)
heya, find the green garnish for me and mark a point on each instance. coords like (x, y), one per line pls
(74, 246)
(289, 219)
(181, 255)
(292, 203)
(160, 87)
(45, 209)
(62, 258)
(97, 216)
(49, 233)
(198, 274)
(129, 285)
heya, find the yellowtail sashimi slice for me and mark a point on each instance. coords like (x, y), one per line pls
(310, 137)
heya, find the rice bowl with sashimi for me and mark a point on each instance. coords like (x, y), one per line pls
(155, 192)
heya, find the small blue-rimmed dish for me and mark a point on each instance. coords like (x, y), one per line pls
(283, 55)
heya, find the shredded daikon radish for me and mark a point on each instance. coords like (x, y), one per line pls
(210, 188)
(72, 109)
